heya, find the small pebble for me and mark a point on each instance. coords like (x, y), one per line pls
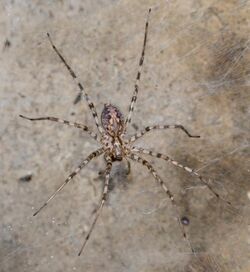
(135, 126)
(185, 221)
(78, 98)
(7, 43)
(26, 178)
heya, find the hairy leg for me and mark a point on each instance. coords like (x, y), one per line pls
(149, 128)
(79, 84)
(137, 158)
(77, 170)
(134, 97)
(101, 204)
(189, 170)
(65, 122)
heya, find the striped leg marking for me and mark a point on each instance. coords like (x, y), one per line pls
(134, 97)
(136, 158)
(189, 170)
(102, 202)
(80, 86)
(149, 128)
(77, 170)
(72, 124)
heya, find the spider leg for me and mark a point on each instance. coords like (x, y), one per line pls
(134, 97)
(72, 124)
(149, 128)
(137, 158)
(189, 170)
(80, 86)
(94, 154)
(101, 204)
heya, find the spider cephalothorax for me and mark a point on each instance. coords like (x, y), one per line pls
(114, 146)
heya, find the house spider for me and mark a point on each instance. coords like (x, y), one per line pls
(114, 145)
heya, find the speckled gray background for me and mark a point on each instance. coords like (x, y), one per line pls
(196, 73)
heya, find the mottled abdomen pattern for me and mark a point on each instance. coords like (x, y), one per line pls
(112, 120)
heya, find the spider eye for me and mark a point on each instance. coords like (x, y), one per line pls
(112, 120)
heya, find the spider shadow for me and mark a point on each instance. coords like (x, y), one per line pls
(121, 176)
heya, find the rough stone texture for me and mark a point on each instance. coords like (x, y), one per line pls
(196, 73)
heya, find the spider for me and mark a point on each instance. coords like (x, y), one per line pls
(114, 144)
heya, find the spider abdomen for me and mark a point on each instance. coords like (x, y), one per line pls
(112, 120)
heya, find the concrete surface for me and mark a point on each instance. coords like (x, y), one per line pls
(196, 73)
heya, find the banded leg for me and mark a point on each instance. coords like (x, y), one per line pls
(103, 200)
(136, 158)
(189, 170)
(80, 86)
(134, 97)
(72, 124)
(149, 128)
(94, 154)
